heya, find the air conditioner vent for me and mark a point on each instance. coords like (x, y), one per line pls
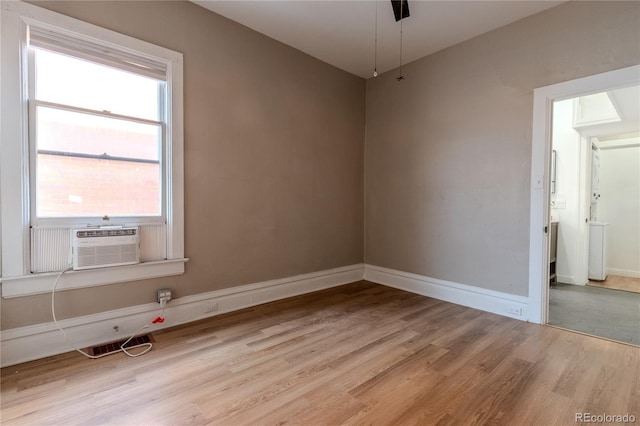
(90, 233)
(100, 248)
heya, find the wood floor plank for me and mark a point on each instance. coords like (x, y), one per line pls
(355, 354)
(440, 401)
(328, 408)
(481, 407)
(616, 282)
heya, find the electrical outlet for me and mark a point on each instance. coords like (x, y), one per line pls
(164, 294)
(210, 307)
(515, 310)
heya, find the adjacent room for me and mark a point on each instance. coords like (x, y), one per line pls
(312, 212)
(595, 213)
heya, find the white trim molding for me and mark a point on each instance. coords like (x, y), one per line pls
(496, 302)
(29, 285)
(41, 340)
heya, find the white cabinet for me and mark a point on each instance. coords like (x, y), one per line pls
(598, 251)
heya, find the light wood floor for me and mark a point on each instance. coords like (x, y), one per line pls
(618, 283)
(356, 354)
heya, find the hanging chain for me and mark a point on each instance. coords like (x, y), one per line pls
(375, 51)
(401, 76)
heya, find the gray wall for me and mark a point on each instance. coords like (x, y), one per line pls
(273, 158)
(448, 150)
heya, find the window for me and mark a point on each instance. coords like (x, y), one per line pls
(97, 139)
(91, 135)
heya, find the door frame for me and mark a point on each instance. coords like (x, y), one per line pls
(543, 98)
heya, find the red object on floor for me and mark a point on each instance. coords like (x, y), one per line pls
(157, 320)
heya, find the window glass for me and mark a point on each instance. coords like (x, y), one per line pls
(73, 132)
(88, 163)
(76, 82)
(71, 186)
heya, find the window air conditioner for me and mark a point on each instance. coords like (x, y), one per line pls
(102, 247)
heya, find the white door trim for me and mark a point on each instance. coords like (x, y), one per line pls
(543, 99)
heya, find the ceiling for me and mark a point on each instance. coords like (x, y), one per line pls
(342, 33)
(626, 102)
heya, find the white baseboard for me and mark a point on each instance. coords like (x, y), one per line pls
(474, 297)
(42, 340)
(623, 273)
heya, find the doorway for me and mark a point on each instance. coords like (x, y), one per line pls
(595, 210)
(539, 246)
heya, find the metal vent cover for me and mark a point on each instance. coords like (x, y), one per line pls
(113, 347)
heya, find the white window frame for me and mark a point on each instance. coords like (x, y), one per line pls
(83, 221)
(14, 154)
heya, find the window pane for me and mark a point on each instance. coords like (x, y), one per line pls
(72, 81)
(72, 179)
(75, 187)
(73, 132)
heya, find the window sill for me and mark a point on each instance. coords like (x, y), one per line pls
(43, 283)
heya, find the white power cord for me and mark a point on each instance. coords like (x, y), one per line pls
(163, 304)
